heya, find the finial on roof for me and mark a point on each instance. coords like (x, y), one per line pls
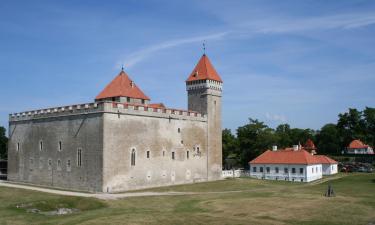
(204, 47)
(122, 67)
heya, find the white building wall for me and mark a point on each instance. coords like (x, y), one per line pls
(329, 169)
(288, 172)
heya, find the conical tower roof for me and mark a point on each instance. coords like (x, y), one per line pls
(122, 86)
(204, 70)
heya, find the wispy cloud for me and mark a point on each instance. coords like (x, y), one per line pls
(136, 57)
(339, 21)
(276, 118)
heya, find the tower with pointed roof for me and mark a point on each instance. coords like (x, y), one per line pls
(204, 88)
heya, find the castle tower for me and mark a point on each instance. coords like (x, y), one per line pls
(204, 87)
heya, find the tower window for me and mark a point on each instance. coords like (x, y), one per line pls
(132, 161)
(41, 145)
(182, 141)
(187, 154)
(60, 146)
(58, 164)
(79, 157)
(173, 156)
(148, 154)
(163, 153)
(68, 165)
(18, 146)
(179, 130)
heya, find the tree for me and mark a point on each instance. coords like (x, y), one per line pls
(254, 138)
(328, 140)
(351, 125)
(283, 134)
(230, 149)
(3, 143)
(369, 120)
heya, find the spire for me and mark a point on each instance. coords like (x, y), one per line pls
(122, 86)
(204, 70)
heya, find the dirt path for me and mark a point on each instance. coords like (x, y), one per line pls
(104, 196)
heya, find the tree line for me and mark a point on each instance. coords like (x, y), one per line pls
(255, 137)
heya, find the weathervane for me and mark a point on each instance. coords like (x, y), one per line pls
(204, 47)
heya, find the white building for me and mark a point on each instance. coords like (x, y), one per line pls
(358, 147)
(291, 164)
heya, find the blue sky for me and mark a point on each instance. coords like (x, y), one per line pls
(299, 62)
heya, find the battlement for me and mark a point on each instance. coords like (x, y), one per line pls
(107, 107)
(199, 84)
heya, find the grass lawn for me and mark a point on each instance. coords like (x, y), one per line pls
(234, 201)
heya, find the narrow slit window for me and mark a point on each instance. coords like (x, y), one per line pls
(18, 146)
(148, 154)
(41, 145)
(79, 157)
(187, 154)
(173, 156)
(60, 146)
(132, 157)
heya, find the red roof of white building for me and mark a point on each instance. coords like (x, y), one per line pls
(204, 70)
(325, 159)
(357, 144)
(287, 156)
(122, 86)
(290, 156)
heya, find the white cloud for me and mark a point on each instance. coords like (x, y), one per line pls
(276, 117)
(136, 57)
(282, 25)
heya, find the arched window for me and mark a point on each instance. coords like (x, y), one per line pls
(133, 157)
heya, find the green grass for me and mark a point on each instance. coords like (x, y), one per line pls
(234, 201)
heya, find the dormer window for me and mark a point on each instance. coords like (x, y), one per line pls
(132, 83)
(196, 73)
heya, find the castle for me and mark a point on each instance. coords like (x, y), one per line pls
(121, 141)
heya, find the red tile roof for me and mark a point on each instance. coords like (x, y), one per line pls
(309, 144)
(122, 86)
(204, 71)
(357, 144)
(287, 156)
(325, 159)
(156, 105)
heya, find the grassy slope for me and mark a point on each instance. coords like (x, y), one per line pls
(258, 202)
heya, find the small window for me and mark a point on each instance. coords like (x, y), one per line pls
(49, 164)
(197, 149)
(261, 169)
(173, 156)
(132, 161)
(60, 146)
(293, 170)
(163, 153)
(182, 141)
(143, 101)
(18, 146)
(68, 165)
(268, 169)
(41, 145)
(128, 99)
(187, 154)
(312, 169)
(301, 170)
(286, 170)
(276, 169)
(179, 130)
(79, 157)
(301, 180)
(58, 164)
(254, 169)
(148, 154)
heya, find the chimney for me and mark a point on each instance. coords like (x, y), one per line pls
(274, 148)
(295, 147)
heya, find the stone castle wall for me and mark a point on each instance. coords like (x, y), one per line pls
(105, 132)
